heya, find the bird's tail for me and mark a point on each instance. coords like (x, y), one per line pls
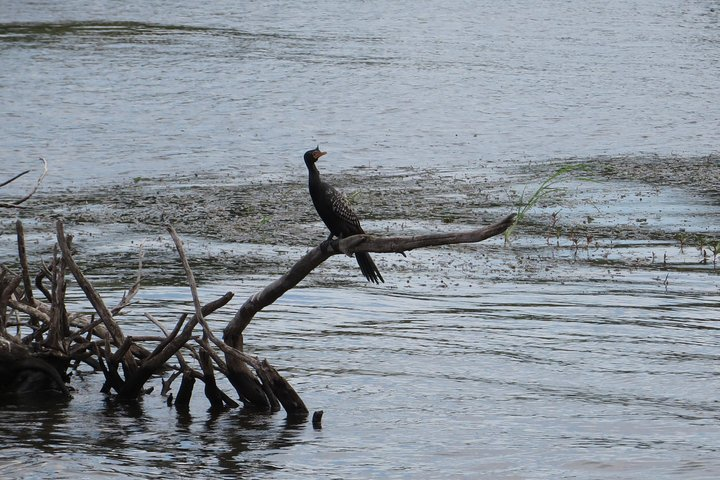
(368, 267)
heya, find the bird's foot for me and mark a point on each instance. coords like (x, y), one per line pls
(325, 245)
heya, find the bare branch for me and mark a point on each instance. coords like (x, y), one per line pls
(17, 203)
(5, 296)
(95, 299)
(356, 243)
(369, 243)
(130, 294)
(254, 362)
(36, 314)
(157, 323)
(134, 384)
(169, 338)
(14, 178)
(24, 262)
(190, 276)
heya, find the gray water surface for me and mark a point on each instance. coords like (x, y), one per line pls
(109, 91)
(535, 360)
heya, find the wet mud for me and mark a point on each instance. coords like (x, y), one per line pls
(246, 226)
(242, 226)
(612, 208)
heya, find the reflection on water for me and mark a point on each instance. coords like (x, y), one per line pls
(146, 439)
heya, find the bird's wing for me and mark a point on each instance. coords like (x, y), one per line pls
(344, 211)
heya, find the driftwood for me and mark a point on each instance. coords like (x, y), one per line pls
(37, 361)
(239, 373)
(49, 338)
(58, 338)
(356, 243)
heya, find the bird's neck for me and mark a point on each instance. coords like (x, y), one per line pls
(313, 173)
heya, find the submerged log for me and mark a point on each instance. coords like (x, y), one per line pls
(286, 395)
(182, 401)
(317, 419)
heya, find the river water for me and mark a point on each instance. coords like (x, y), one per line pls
(535, 360)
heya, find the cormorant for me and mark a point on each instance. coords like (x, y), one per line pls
(337, 214)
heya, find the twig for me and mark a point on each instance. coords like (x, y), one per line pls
(162, 328)
(14, 178)
(17, 203)
(166, 384)
(130, 294)
(169, 338)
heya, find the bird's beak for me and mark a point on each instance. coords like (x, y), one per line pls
(317, 154)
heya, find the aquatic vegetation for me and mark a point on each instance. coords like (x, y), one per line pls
(573, 237)
(714, 247)
(682, 237)
(546, 188)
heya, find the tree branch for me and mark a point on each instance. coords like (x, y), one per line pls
(130, 294)
(17, 203)
(22, 254)
(369, 243)
(6, 182)
(95, 299)
(357, 243)
(133, 386)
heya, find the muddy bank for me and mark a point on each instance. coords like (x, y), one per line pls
(637, 198)
(242, 226)
(695, 174)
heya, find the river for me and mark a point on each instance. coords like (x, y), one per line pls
(588, 354)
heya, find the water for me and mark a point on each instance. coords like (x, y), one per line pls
(109, 92)
(529, 361)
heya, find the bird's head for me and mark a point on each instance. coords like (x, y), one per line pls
(311, 156)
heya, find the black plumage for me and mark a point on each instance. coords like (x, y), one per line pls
(337, 214)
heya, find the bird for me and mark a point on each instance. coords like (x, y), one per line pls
(337, 214)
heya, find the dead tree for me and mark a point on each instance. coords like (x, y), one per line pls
(52, 335)
(56, 337)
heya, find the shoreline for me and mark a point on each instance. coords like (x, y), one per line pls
(627, 199)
